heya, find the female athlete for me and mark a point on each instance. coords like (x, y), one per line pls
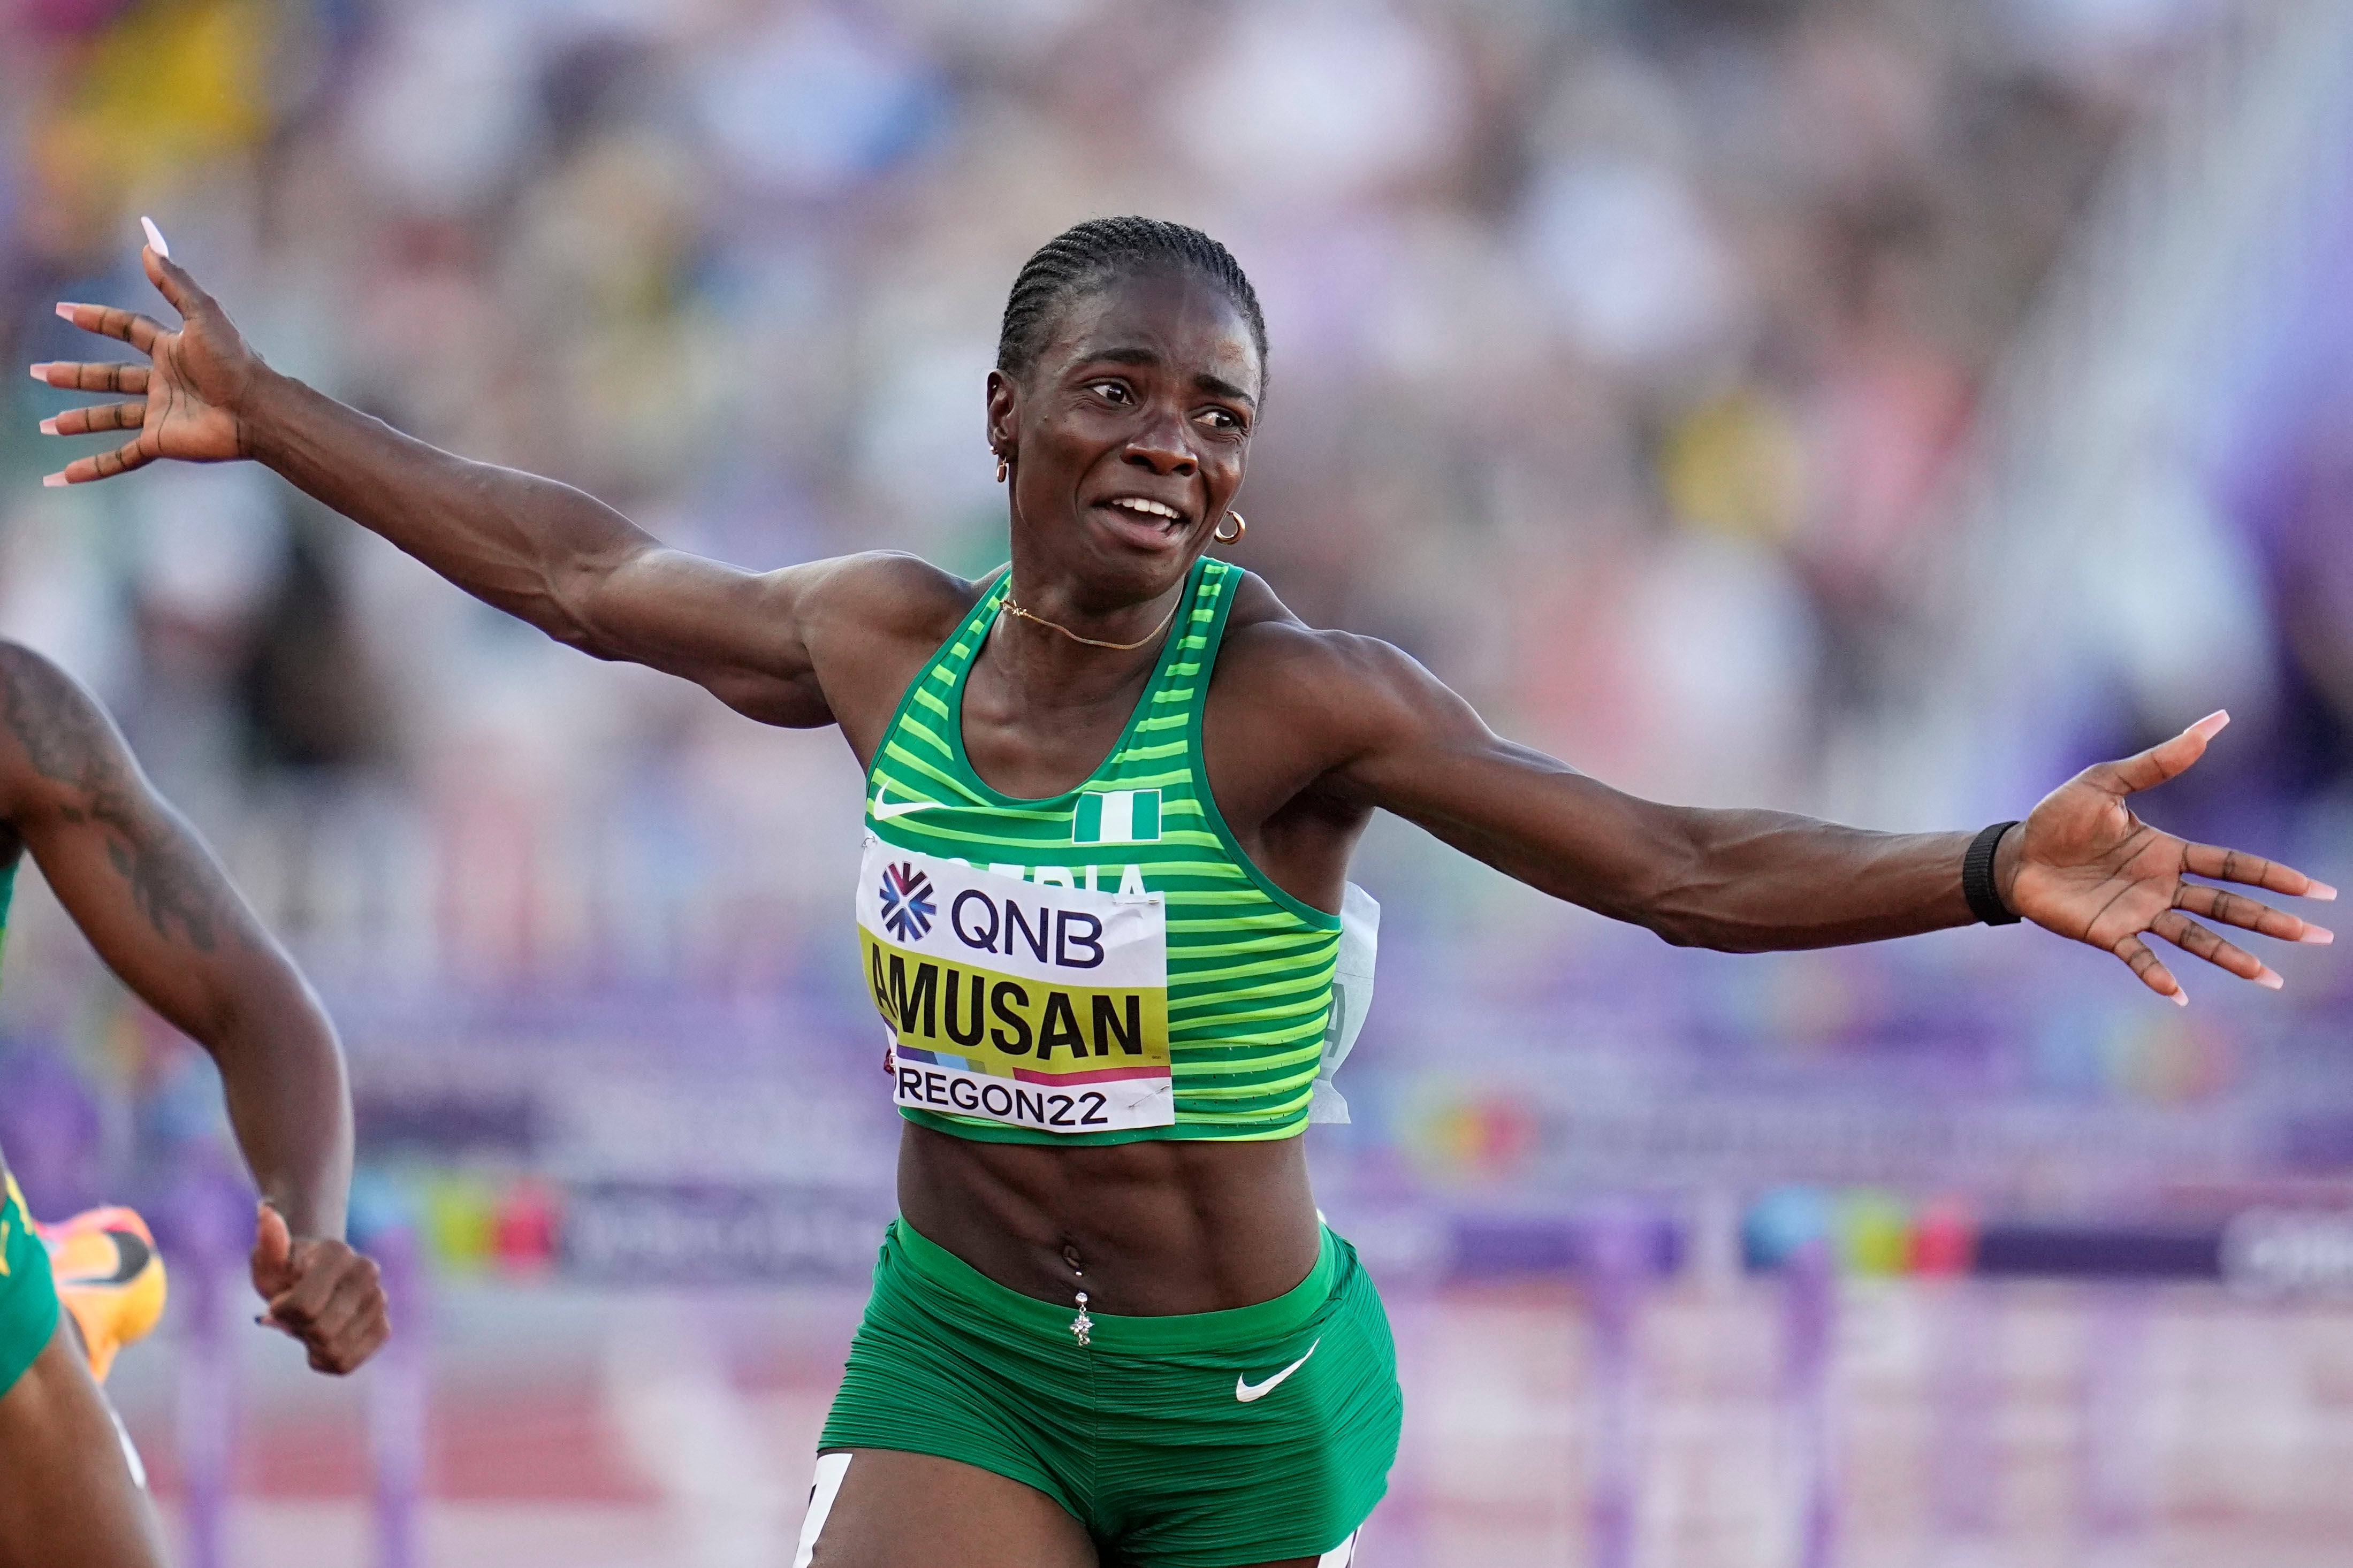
(1111, 795)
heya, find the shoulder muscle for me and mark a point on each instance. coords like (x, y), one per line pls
(883, 593)
(803, 620)
(60, 749)
(868, 622)
(1315, 704)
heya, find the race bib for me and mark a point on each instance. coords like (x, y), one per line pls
(1026, 1003)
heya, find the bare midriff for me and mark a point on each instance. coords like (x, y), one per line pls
(1147, 1229)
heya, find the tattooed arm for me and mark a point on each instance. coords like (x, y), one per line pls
(158, 909)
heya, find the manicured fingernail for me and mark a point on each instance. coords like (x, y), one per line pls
(56, 481)
(2269, 981)
(2321, 891)
(2180, 998)
(40, 373)
(2318, 936)
(67, 308)
(155, 237)
(49, 427)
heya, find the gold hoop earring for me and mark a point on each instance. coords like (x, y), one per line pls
(1241, 526)
(1002, 468)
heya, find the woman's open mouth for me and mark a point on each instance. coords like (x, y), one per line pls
(1154, 525)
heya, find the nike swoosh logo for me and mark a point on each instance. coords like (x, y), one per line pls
(1246, 1391)
(885, 810)
(130, 1255)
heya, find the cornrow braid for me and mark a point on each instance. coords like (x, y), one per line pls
(1086, 256)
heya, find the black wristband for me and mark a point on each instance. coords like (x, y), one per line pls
(1976, 877)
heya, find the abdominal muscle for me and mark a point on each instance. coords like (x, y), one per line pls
(1147, 1229)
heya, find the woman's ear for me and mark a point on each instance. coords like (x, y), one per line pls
(1004, 412)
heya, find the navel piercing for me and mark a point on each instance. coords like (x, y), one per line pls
(1082, 1325)
(1242, 525)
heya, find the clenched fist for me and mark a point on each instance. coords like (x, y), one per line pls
(319, 1292)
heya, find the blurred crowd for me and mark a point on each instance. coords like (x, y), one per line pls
(1622, 355)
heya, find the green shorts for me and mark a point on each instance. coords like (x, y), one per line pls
(28, 1294)
(1202, 1441)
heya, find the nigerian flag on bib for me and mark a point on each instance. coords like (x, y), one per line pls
(1117, 817)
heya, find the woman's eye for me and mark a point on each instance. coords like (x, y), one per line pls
(1111, 391)
(1220, 419)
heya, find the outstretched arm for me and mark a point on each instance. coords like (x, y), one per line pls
(2082, 864)
(157, 908)
(541, 551)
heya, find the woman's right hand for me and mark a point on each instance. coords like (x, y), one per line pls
(190, 398)
(540, 551)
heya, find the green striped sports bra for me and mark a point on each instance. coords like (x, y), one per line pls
(1106, 965)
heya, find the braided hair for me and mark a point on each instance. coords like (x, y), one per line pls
(1087, 255)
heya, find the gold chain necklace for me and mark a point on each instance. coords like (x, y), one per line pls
(1096, 642)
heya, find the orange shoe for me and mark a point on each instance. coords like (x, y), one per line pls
(109, 1276)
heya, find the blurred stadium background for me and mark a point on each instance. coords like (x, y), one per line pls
(1875, 407)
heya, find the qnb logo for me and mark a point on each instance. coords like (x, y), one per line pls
(907, 907)
(1070, 939)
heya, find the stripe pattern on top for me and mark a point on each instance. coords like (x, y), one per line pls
(1250, 968)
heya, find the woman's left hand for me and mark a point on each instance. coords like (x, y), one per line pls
(190, 397)
(2085, 865)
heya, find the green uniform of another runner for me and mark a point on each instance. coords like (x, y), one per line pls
(29, 1292)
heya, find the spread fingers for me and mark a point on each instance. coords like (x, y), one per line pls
(2236, 866)
(2248, 914)
(97, 421)
(2151, 970)
(111, 320)
(2192, 938)
(121, 379)
(104, 465)
(2146, 770)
